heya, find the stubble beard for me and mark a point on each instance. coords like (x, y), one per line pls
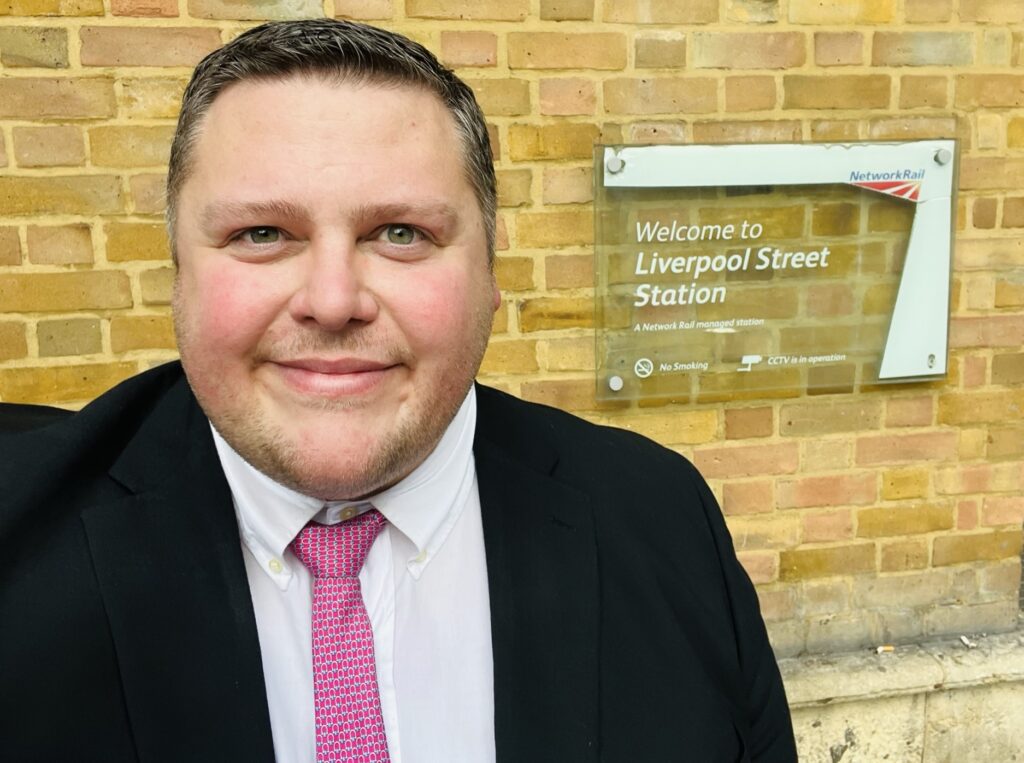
(267, 447)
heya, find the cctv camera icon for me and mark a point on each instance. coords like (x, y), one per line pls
(749, 360)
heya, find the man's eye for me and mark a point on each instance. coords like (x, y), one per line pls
(263, 235)
(403, 235)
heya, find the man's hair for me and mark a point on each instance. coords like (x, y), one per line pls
(337, 51)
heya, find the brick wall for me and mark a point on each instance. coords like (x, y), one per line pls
(883, 515)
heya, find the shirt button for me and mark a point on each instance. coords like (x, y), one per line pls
(275, 566)
(422, 557)
(348, 512)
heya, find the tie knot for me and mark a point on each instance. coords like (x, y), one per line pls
(338, 551)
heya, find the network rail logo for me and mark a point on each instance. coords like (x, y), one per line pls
(903, 183)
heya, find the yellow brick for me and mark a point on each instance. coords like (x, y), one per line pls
(984, 173)
(10, 246)
(899, 484)
(511, 357)
(748, 50)
(568, 271)
(755, 93)
(829, 416)
(146, 46)
(13, 344)
(756, 532)
(660, 95)
(141, 332)
(909, 128)
(151, 97)
(989, 546)
(514, 187)
(502, 97)
(42, 47)
(51, 8)
(1009, 294)
(921, 48)
(156, 286)
(928, 11)
(835, 130)
(552, 50)
(835, 91)
(904, 555)
(469, 49)
(567, 10)
(50, 146)
(804, 563)
(838, 48)
(845, 12)
(661, 11)
(992, 11)
(656, 132)
(59, 292)
(904, 520)
(567, 185)
(148, 194)
(145, 8)
(537, 230)
(924, 91)
(84, 195)
(130, 146)
(556, 141)
(61, 384)
(747, 132)
(56, 97)
(514, 273)
(662, 50)
(136, 241)
(59, 245)
(676, 428)
(69, 336)
(989, 90)
(574, 354)
(567, 394)
(567, 96)
(258, 10)
(483, 10)
(996, 407)
(544, 313)
(365, 10)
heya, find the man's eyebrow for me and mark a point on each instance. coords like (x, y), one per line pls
(444, 213)
(229, 210)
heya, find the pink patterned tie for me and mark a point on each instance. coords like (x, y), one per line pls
(349, 725)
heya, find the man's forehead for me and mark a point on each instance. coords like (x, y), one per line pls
(343, 82)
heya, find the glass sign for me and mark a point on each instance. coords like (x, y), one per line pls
(770, 270)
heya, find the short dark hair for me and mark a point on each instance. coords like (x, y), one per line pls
(339, 51)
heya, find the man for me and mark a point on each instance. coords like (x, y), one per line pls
(528, 587)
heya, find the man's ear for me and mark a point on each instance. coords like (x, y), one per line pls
(496, 296)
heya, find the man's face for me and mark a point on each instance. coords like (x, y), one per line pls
(334, 298)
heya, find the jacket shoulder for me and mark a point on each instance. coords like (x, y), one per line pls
(531, 429)
(18, 417)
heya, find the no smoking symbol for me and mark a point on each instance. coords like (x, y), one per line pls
(643, 368)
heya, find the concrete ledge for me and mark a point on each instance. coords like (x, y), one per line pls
(928, 703)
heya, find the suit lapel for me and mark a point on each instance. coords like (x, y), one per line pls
(169, 566)
(543, 583)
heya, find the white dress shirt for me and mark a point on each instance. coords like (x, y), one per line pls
(425, 588)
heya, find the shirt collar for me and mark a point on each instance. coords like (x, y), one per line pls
(423, 506)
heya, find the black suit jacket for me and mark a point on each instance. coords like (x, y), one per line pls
(623, 628)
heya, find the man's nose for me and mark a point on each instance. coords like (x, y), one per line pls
(334, 289)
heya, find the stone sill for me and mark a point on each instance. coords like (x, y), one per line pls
(914, 669)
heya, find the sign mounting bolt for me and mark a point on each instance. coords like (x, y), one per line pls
(615, 164)
(943, 156)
